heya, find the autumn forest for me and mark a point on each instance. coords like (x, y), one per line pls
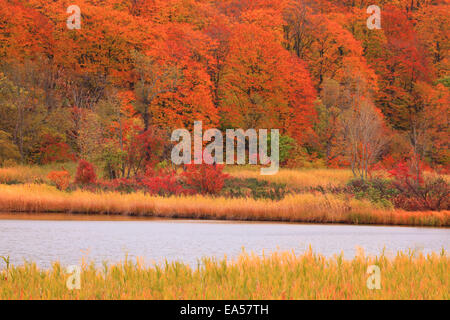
(368, 104)
(351, 98)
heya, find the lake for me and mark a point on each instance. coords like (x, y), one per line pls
(44, 241)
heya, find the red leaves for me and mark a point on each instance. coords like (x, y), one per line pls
(148, 146)
(197, 179)
(60, 178)
(204, 178)
(85, 173)
(54, 149)
(401, 172)
(166, 183)
(418, 194)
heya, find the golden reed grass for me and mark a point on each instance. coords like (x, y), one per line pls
(308, 178)
(18, 174)
(277, 276)
(297, 178)
(32, 173)
(309, 207)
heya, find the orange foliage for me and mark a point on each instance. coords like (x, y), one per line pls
(60, 178)
(240, 63)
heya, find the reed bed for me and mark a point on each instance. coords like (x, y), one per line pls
(19, 175)
(307, 207)
(278, 276)
(309, 178)
(31, 174)
(297, 178)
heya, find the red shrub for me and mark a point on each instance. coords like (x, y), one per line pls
(402, 173)
(165, 183)
(432, 195)
(162, 182)
(425, 194)
(205, 178)
(54, 149)
(119, 185)
(85, 173)
(60, 178)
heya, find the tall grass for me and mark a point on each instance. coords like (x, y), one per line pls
(304, 178)
(33, 173)
(278, 276)
(308, 178)
(307, 207)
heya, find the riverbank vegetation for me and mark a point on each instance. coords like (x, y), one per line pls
(309, 207)
(276, 276)
(215, 192)
(363, 125)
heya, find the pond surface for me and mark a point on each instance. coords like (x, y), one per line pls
(68, 241)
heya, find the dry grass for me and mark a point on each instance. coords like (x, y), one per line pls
(31, 174)
(308, 178)
(19, 175)
(279, 276)
(317, 208)
(304, 178)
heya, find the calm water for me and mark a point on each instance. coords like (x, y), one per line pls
(45, 241)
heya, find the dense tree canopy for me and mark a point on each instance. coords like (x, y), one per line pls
(307, 67)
